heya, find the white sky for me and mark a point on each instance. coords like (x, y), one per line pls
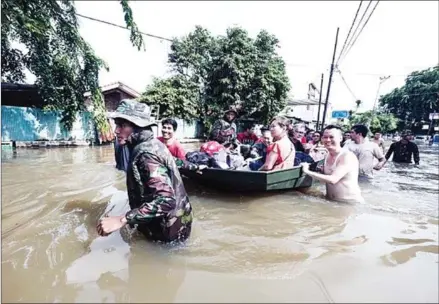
(399, 38)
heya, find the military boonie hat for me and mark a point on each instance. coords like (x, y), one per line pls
(135, 112)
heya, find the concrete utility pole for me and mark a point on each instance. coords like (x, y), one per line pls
(320, 103)
(382, 79)
(330, 80)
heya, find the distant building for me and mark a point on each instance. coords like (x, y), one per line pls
(24, 120)
(305, 110)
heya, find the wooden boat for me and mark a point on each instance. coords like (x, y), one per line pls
(235, 180)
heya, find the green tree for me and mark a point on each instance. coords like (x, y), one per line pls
(232, 70)
(378, 122)
(191, 57)
(248, 72)
(65, 66)
(415, 100)
(177, 97)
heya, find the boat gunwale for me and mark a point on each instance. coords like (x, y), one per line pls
(255, 172)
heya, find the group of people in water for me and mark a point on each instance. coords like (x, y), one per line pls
(159, 204)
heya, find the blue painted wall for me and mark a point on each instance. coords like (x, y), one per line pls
(30, 124)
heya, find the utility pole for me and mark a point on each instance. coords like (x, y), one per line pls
(330, 80)
(320, 103)
(382, 79)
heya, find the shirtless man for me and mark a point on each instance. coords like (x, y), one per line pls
(340, 169)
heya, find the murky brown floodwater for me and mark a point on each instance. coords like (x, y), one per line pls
(281, 247)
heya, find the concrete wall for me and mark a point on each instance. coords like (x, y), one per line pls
(31, 124)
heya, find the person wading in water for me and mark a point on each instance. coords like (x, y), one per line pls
(340, 169)
(158, 201)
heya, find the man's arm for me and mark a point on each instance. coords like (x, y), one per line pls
(378, 153)
(390, 151)
(347, 161)
(154, 176)
(181, 153)
(416, 153)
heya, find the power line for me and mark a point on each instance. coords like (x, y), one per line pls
(361, 30)
(123, 27)
(362, 27)
(358, 25)
(347, 37)
(346, 84)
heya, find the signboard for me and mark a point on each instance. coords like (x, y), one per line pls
(425, 127)
(340, 114)
(434, 116)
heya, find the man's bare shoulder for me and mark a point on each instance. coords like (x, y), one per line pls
(348, 157)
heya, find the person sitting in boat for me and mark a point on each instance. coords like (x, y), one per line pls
(158, 201)
(169, 126)
(259, 150)
(339, 170)
(224, 130)
(315, 148)
(281, 153)
(248, 137)
(295, 135)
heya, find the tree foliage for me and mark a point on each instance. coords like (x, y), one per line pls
(65, 66)
(176, 96)
(415, 100)
(379, 122)
(234, 69)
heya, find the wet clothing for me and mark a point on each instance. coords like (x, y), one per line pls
(223, 132)
(175, 148)
(366, 153)
(157, 197)
(122, 156)
(402, 153)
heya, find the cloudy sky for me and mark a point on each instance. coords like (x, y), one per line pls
(399, 38)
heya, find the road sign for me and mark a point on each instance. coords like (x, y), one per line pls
(340, 114)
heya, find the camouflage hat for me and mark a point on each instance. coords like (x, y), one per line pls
(231, 109)
(135, 112)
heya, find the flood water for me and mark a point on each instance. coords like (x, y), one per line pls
(278, 247)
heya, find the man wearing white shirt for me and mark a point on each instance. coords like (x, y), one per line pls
(366, 151)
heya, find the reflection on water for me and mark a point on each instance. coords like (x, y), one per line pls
(276, 247)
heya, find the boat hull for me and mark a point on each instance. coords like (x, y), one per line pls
(235, 180)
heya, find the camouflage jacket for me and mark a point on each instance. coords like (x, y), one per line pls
(223, 132)
(158, 200)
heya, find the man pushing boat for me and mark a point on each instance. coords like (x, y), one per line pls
(159, 204)
(339, 169)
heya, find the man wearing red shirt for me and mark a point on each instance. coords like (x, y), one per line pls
(248, 137)
(169, 126)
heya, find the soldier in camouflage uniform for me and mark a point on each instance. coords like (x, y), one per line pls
(224, 130)
(159, 204)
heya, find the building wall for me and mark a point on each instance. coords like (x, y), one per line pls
(31, 124)
(113, 99)
(184, 129)
(309, 113)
